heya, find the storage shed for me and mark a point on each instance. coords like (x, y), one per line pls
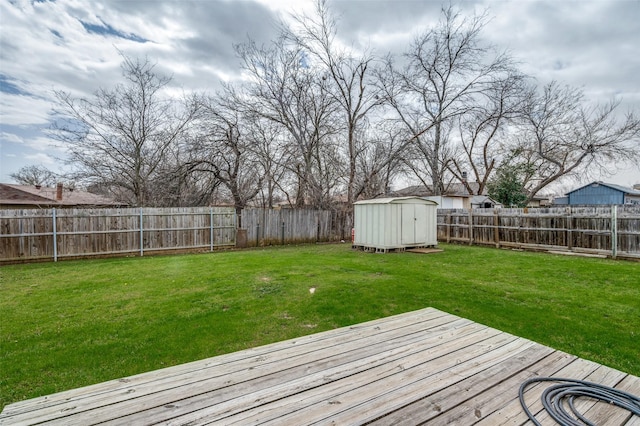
(385, 224)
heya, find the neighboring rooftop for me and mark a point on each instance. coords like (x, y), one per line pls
(452, 189)
(623, 189)
(29, 196)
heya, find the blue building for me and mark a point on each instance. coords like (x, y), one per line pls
(603, 193)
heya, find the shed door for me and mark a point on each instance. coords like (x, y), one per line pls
(414, 226)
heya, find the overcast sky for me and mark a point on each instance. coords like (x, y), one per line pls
(72, 45)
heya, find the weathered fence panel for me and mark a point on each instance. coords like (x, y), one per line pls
(52, 234)
(609, 230)
(68, 233)
(291, 226)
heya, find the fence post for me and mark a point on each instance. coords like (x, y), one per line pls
(496, 230)
(211, 228)
(448, 227)
(470, 227)
(614, 231)
(281, 221)
(519, 236)
(258, 234)
(569, 230)
(55, 236)
(141, 235)
(240, 235)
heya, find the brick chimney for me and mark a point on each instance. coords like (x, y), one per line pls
(59, 191)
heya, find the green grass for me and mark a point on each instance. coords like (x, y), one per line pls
(70, 324)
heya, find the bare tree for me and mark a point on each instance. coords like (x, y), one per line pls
(482, 130)
(563, 135)
(35, 175)
(380, 160)
(352, 85)
(120, 137)
(181, 184)
(269, 147)
(222, 149)
(446, 69)
(285, 89)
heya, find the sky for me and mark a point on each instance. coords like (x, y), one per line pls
(74, 45)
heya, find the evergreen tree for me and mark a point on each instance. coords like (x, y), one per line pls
(507, 187)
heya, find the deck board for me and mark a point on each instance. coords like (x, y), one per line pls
(610, 415)
(159, 378)
(480, 393)
(426, 366)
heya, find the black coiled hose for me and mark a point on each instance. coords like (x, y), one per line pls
(567, 390)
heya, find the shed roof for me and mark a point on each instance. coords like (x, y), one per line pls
(398, 200)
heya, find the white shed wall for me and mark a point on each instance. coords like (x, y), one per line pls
(398, 223)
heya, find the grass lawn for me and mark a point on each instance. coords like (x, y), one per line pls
(70, 324)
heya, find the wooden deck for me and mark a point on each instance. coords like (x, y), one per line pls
(425, 366)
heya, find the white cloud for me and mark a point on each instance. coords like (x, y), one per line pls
(23, 110)
(11, 138)
(591, 44)
(41, 158)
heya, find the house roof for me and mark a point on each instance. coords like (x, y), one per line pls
(623, 189)
(11, 194)
(481, 199)
(451, 190)
(395, 200)
(456, 190)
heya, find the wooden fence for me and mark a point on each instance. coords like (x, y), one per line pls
(609, 230)
(52, 234)
(291, 226)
